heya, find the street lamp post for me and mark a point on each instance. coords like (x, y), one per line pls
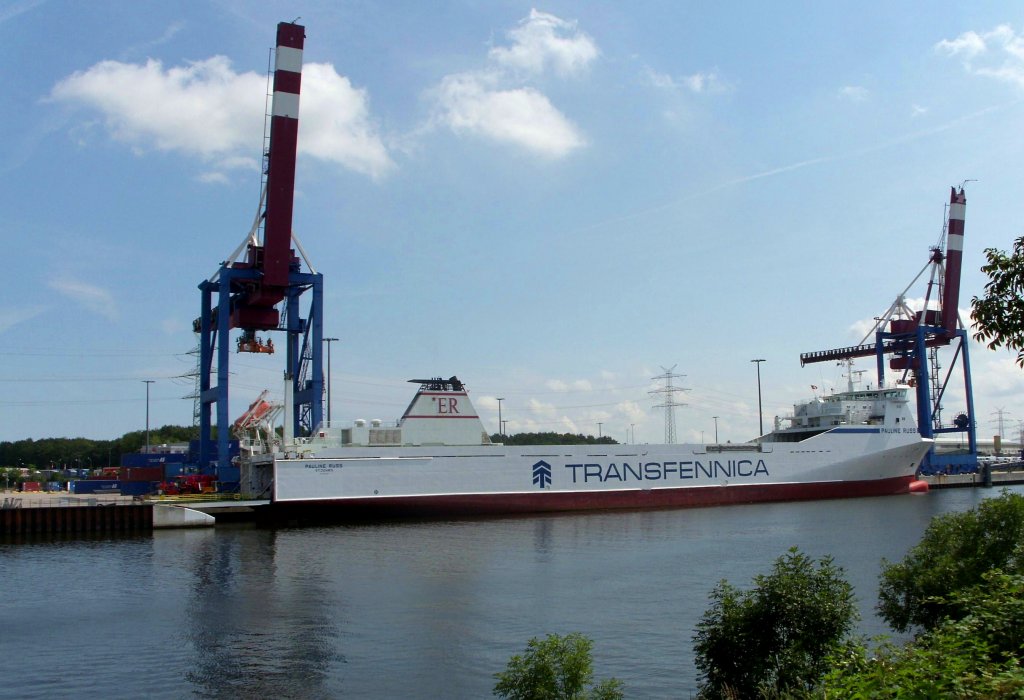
(147, 382)
(716, 429)
(599, 433)
(760, 414)
(501, 425)
(329, 341)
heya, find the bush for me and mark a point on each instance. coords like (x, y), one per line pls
(776, 638)
(955, 552)
(555, 668)
(975, 656)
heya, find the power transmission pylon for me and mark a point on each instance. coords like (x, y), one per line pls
(668, 402)
(1000, 422)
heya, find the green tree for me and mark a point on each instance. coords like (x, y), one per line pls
(954, 553)
(555, 668)
(999, 315)
(83, 453)
(975, 656)
(775, 639)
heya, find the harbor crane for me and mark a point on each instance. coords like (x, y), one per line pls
(260, 286)
(912, 340)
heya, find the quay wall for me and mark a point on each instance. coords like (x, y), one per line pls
(950, 481)
(75, 519)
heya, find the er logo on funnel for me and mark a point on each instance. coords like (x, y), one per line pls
(542, 473)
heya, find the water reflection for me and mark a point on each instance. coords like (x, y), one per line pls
(256, 620)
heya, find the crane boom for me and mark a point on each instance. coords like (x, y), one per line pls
(954, 257)
(284, 138)
(254, 308)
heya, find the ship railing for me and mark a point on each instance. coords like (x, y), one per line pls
(196, 497)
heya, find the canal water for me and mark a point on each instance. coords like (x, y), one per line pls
(411, 610)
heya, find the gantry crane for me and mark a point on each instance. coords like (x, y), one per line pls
(913, 339)
(261, 291)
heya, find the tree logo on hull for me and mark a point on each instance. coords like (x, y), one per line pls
(542, 474)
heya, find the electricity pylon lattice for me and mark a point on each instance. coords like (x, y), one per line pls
(667, 394)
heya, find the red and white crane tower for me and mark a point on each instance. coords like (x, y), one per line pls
(262, 290)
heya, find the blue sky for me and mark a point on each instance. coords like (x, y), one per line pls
(551, 201)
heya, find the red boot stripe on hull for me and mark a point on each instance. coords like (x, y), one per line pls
(513, 503)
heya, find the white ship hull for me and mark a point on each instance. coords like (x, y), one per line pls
(453, 480)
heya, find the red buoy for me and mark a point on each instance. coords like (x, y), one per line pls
(918, 486)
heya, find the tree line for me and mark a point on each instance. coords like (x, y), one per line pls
(552, 438)
(84, 453)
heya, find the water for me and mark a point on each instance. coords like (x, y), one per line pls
(412, 610)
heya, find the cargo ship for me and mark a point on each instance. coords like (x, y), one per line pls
(438, 460)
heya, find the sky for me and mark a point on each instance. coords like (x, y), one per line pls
(556, 203)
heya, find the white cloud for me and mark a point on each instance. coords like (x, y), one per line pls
(173, 326)
(697, 83)
(917, 110)
(215, 177)
(854, 93)
(499, 103)
(203, 109)
(996, 374)
(631, 412)
(541, 408)
(207, 110)
(996, 54)
(968, 44)
(336, 123)
(93, 298)
(543, 40)
(11, 317)
(522, 116)
(703, 82)
(577, 385)
(14, 9)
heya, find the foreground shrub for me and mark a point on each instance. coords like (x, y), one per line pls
(555, 668)
(954, 553)
(974, 656)
(775, 639)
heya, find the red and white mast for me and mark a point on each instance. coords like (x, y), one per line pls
(954, 257)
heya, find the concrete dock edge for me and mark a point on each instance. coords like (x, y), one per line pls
(167, 516)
